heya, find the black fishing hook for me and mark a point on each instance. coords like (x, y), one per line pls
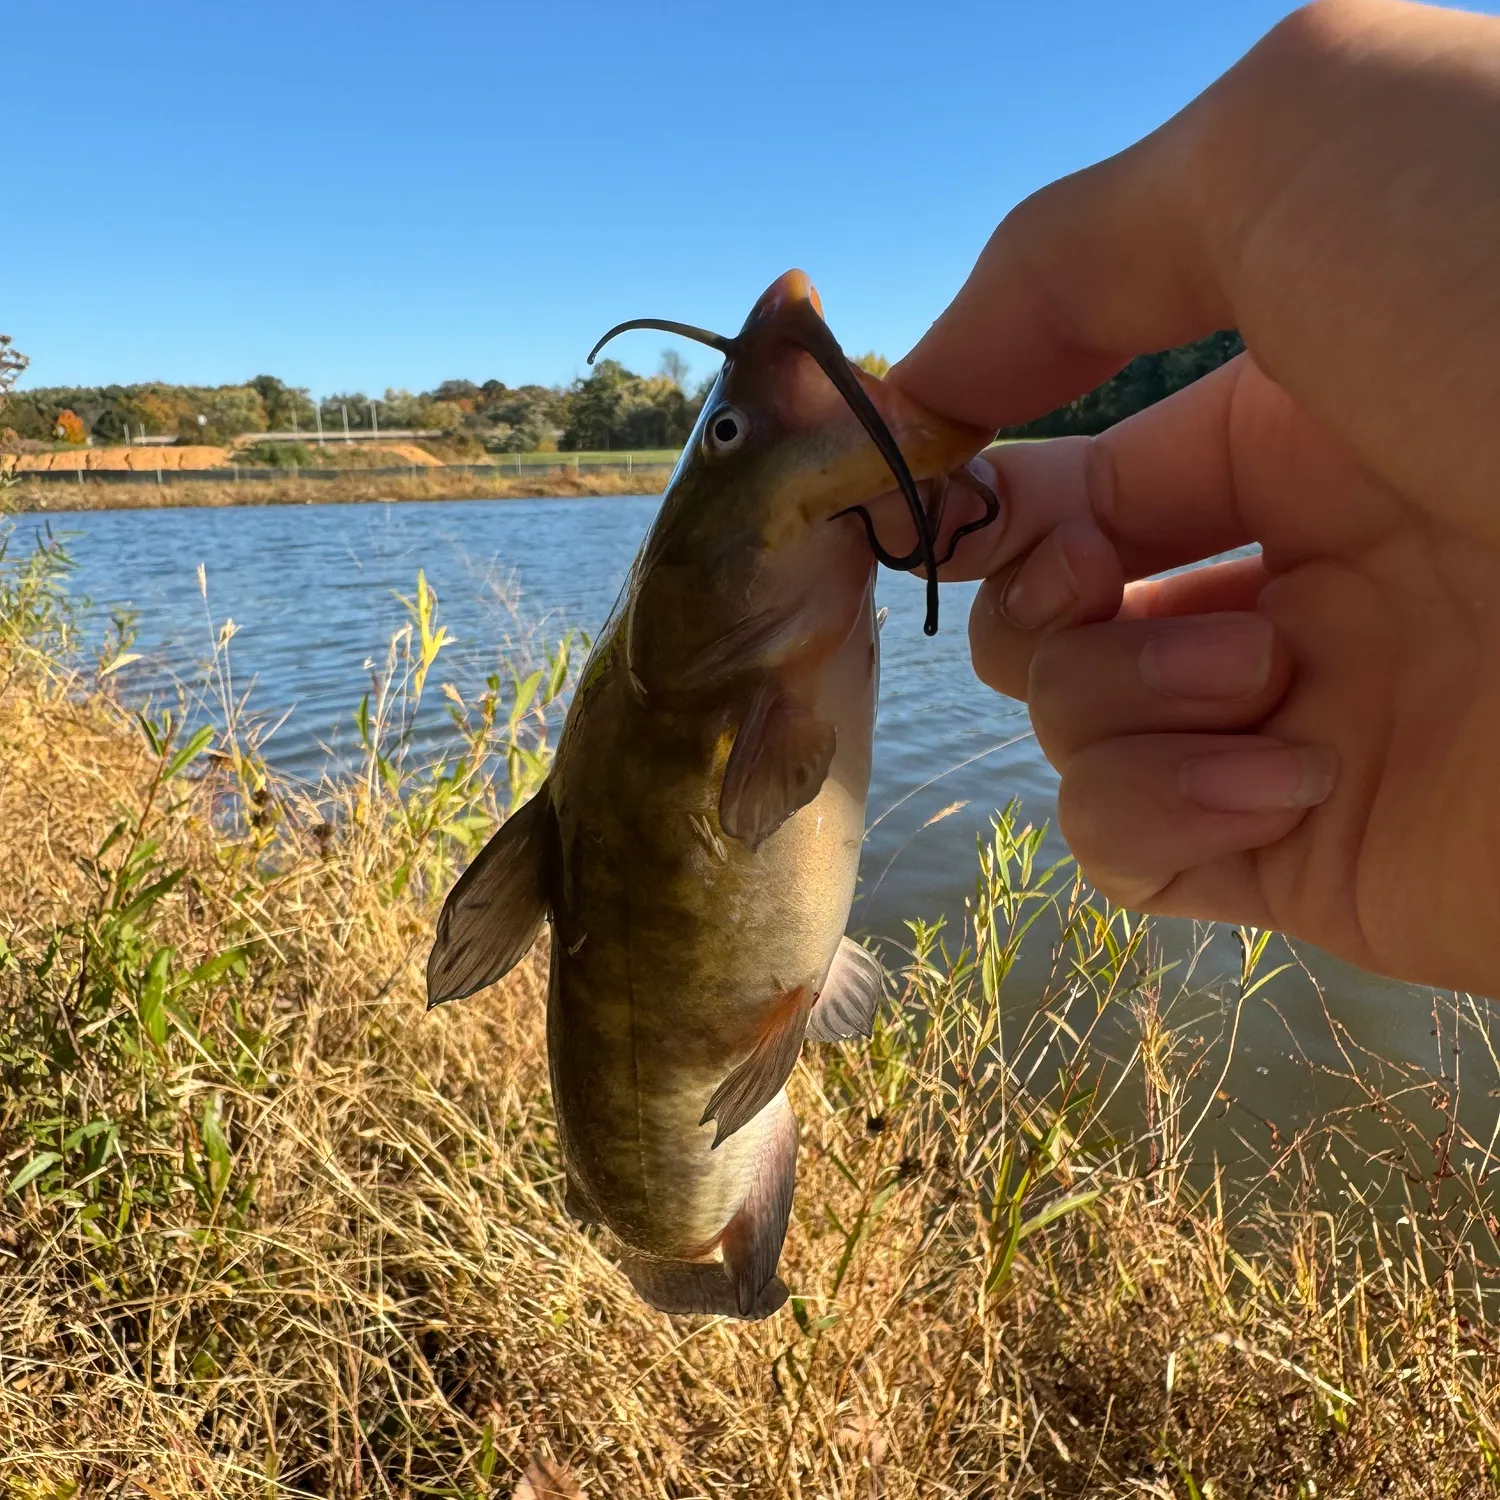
(934, 522)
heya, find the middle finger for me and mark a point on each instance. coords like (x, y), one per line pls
(1193, 674)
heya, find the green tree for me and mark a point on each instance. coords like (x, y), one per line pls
(288, 408)
(356, 403)
(225, 413)
(1140, 384)
(12, 363)
(615, 408)
(595, 407)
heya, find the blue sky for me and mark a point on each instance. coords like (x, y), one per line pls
(357, 196)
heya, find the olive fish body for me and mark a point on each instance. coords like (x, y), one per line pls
(645, 1017)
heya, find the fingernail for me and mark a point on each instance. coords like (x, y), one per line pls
(1227, 657)
(1042, 589)
(1260, 780)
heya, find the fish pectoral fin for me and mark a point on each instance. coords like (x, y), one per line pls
(492, 916)
(762, 1075)
(684, 1287)
(778, 765)
(751, 1243)
(850, 996)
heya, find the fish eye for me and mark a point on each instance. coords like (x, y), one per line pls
(726, 430)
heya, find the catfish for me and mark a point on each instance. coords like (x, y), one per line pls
(696, 842)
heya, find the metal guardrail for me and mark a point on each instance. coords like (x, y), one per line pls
(234, 472)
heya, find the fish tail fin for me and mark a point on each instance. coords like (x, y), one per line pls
(744, 1284)
(752, 1241)
(684, 1287)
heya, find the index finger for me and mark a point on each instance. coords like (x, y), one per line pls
(1331, 196)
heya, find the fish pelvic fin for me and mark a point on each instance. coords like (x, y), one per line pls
(762, 1075)
(684, 1287)
(492, 916)
(751, 1243)
(850, 996)
(779, 762)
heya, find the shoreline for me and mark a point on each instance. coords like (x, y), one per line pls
(350, 489)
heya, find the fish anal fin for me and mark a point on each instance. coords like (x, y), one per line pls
(684, 1287)
(850, 996)
(762, 1075)
(492, 915)
(751, 1243)
(781, 755)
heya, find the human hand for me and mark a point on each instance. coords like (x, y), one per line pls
(1308, 739)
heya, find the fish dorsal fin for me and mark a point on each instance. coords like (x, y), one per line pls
(492, 916)
(779, 762)
(850, 996)
(762, 1075)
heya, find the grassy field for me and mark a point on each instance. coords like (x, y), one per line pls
(420, 484)
(270, 1229)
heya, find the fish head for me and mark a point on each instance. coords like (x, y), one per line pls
(781, 437)
(757, 553)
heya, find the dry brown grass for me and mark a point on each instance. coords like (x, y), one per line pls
(314, 1243)
(427, 484)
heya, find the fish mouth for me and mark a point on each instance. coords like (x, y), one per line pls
(790, 311)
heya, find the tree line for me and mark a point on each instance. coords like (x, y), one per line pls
(611, 408)
(1142, 383)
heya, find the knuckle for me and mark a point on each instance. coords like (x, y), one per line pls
(1320, 28)
(1101, 861)
(1100, 481)
(999, 659)
(1047, 681)
(1135, 893)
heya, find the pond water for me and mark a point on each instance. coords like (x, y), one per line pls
(313, 591)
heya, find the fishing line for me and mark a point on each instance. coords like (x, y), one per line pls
(1015, 739)
(869, 895)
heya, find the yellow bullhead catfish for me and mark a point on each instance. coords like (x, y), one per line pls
(696, 841)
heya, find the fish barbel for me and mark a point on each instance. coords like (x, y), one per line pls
(697, 838)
